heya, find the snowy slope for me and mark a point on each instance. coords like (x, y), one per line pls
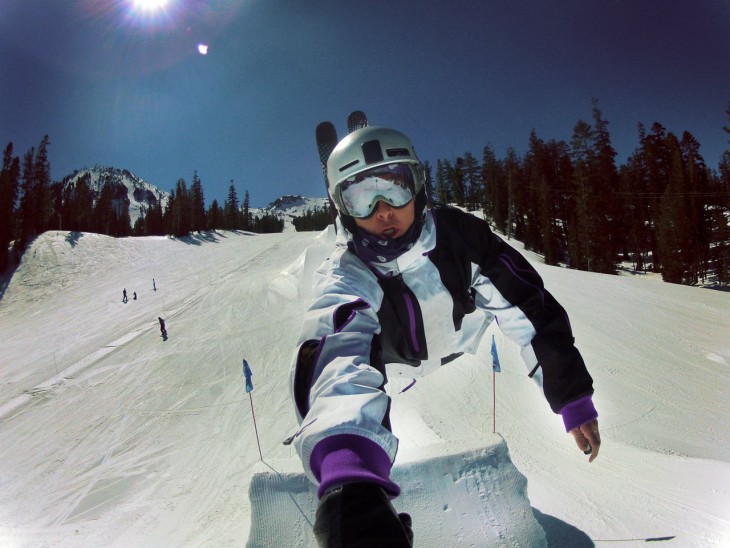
(113, 437)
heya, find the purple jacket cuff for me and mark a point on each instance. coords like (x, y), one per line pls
(348, 458)
(578, 412)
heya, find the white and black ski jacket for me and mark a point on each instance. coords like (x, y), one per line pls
(413, 315)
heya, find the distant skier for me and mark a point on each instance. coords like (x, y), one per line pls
(163, 330)
(124, 295)
(412, 288)
(154, 287)
(134, 296)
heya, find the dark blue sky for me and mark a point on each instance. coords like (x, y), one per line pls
(113, 87)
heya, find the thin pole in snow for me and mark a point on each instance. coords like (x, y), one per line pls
(494, 402)
(250, 397)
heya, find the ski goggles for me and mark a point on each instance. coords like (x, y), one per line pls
(393, 184)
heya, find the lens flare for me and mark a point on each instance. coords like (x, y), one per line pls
(149, 5)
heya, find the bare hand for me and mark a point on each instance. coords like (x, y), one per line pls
(588, 438)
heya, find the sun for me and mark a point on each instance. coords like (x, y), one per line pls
(149, 5)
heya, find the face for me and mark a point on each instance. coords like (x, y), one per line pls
(389, 222)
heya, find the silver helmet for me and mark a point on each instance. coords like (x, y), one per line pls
(368, 148)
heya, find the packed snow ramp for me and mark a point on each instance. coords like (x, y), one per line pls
(461, 494)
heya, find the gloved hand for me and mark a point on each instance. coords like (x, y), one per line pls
(360, 515)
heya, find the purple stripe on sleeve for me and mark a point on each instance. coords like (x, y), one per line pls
(578, 413)
(348, 458)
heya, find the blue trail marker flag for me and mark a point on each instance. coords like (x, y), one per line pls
(248, 374)
(495, 357)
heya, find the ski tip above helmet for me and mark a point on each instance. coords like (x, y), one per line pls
(366, 148)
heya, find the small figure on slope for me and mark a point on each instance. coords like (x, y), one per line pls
(163, 330)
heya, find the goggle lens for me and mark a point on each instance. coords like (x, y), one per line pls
(391, 183)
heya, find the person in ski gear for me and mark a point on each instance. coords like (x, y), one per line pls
(407, 289)
(163, 329)
(124, 295)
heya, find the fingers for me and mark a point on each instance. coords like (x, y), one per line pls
(588, 439)
(592, 434)
(581, 440)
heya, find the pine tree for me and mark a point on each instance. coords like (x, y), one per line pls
(246, 213)
(83, 205)
(154, 224)
(122, 221)
(198, 221)
(443, 194)
(494, 199)
(697, 197)
(472, 181)
(634, 210)
(674, 223)
(607, 237)
(231, 212)
(456, 180)
(28, 200)
(549, 172)
(580, 232)
(9, 187)
(656, 160)
(512, 174)
(168, 221)
(42, 188)
(104, 214)
(215, 216)
(534, 202)
(182, 210)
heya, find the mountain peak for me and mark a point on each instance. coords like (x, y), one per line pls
(138, 194)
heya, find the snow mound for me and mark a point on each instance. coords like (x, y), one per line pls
(467, 492)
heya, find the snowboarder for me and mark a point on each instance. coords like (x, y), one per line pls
(163, 330)
(411, 287)
(124, 295)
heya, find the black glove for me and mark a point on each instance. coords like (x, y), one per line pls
(360, 515)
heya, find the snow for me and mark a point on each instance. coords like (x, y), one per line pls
(113, 437)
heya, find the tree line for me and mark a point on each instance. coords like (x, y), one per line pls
(663, 210)
(185, 212)
(31, 203)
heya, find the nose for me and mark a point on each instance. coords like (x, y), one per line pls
(383, 209)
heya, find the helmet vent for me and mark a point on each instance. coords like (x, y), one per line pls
(348, 166)
(372, 152)
(394, 152)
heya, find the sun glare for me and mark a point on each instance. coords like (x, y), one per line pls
(149, 5)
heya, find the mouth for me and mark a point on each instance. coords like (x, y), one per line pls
(390, 232)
